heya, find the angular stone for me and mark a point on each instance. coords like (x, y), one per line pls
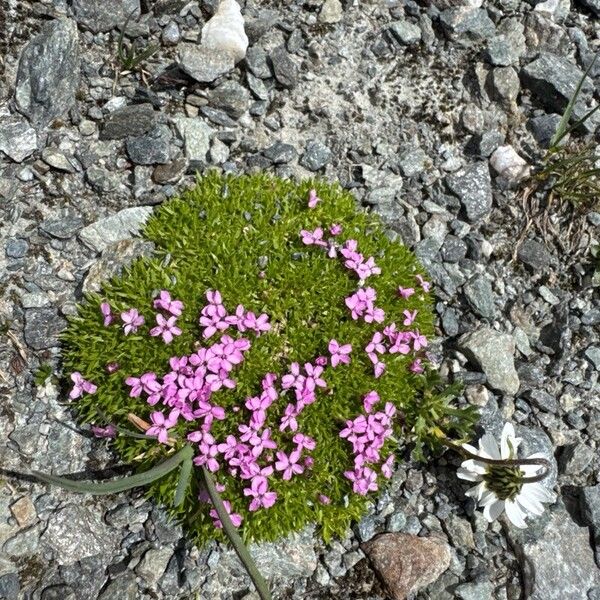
(117, 227)
(406, 33)
(171, 172)
(103, 180)
(150, 148)
(18, 139)
(593, 5)
(204, 64)
(482, 590)
(23, 511)
(280, 153)
(16, 247)
(407, 563)
(48, 73)
(556, 560)
(133, 120)
(42, 328)
(76, 532)
(10, 586)
(493, 352)
(114, 258)
(592, 353)
(316, 155)
(231, 97)
(467, 25)
(480, 297)
(284, 67)
(154, 563)
(575, 458)
(590, 505)
(62, 225)
(57, 160)
(535, 255)
(195, 134)
(553, 80)
(105, 15)
(473, 187)
(123, 588)
(331, 11)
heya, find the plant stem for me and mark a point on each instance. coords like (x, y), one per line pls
(236, 541)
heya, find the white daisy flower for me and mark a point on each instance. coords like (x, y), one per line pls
(515, 488)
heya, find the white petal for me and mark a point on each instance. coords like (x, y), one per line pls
(487, 497)
(515, 514)
(492, 511)
(468, 475)
(475, 466)
(529, 504)
(530, 470)
(470, 448)
(488, 446)
(539, 492)
(476, 491)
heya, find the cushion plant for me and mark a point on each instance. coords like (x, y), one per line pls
(280, 333)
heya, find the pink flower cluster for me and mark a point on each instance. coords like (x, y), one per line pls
(367, 433)
(214, 317)
(362, 305)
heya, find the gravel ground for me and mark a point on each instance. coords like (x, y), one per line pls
(417, 107)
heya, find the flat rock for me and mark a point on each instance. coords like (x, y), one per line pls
(493, 352)
(42, 327)
(114, 258)
(18, 139)
(473, 187)
(48, 73)
(106, 15)
(406, 33)
(480, 297)
(407, 563)
(150, 148)
(204, 64)
(195, 134)
(331, 11)
(555, 557)
(133, 120)
(231, 97)
(117, 227)
(593, 5)
(284, 67)
(63, 224)
(316, 155)
(535, 255)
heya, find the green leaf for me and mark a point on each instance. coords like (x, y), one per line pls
(120, 485)
(184, 479)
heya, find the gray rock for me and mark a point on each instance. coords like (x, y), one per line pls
(316, 155)
(123, 588)
(24, 544)
(284, 67)
(280, 153)
(593, 5)
(534, 440)
(16, 247)
(482, 590)
(196, 137)
(473, 187)
(48, 73)
(575, 458)
(331, 11)
(258, 63)
(204, 64)
(485, 143)
(76, 532)
(465, 26)
(150, 148)
(493, 353)
(171, 34)
(117, 227)
(535, 255)
(480, 297)
(505, 85)
(57, 160)
(453, 249)
(592, 353)
(501, 51)
(543, 400)
(18, 139)
(231, 97)
(553, 80)
(63, 224)
(133, 120)
(153, 564)
(114, 258)
(557, 562)
(171, 172)
(10, 585)
(104, 16)
(589, 501)
(406, 33)
(42, 328)
(543, 128)
(412, 160)
(58, 592)
(103, 180)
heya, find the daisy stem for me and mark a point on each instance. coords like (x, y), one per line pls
(508, 462)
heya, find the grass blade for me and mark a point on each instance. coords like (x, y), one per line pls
(120, 485)
(184, 479)
(236, 541)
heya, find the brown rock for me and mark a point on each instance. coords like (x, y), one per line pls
(23, 511)
(407, 563)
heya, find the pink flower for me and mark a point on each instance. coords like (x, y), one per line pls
(262, 441)
(313, 237)
(236, 519)
(293, 379)
(364, 480)
(106, 313)
(289, 419)
(370, 400)
(289, 464)
(313, 199)
(304, 441)
(378, 369)
(132, 320)
(164, 302)
(261, 497)
(362, 304)
(419, 341)
(323, 499)
(339, 354)
(416, 366)
(424, 284)
(410, 316)
(313, 377)
(112, 367)
(166, 328)
(161, 425)
(387, 468)
(207, 456)
(81, 385)
(110, 431)
(257, 324)
(405, 292)
(335, 229)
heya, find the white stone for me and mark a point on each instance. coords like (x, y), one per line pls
(331, 12)
(508, 164)
(225, 30)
